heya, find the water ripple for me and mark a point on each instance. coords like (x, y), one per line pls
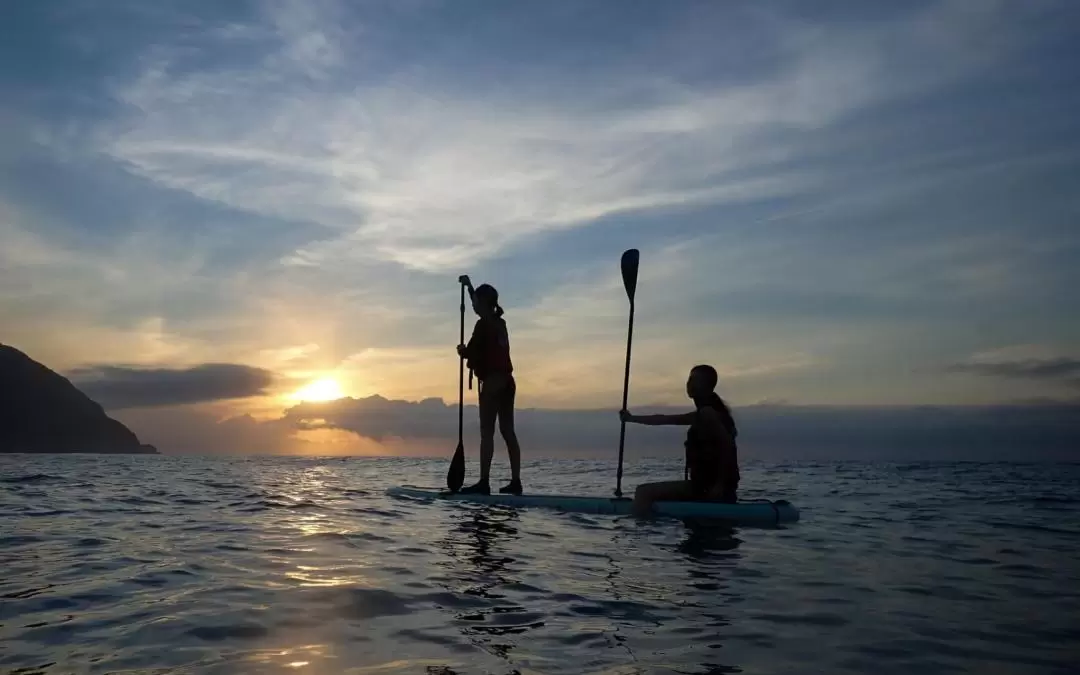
(302, 565)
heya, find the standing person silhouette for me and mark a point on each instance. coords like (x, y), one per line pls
(488, 357)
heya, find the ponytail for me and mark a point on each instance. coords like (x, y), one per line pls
(726, 416)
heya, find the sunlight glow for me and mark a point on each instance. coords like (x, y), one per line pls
(323, 389)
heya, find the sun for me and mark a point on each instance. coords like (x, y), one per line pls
(323, 389)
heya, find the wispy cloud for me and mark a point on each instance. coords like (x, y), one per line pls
(830, 203)
(412, 169)
(1025, 363)
(668, 339)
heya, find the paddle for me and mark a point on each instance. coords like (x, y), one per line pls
(629, 264)
(455, 476)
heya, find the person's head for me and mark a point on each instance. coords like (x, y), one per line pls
(702, 381)
(485, 301)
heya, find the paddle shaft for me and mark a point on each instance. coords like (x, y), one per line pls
(625, 395)
(629, 264)
(461, 374)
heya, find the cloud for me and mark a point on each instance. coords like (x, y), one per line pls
(771, 431)
(297, 185)
(1021, 363)
(376, 425)
(118, 387)
(428, 168)
(1061, 368)
(211, 429)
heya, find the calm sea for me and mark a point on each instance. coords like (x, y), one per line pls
(304, 566)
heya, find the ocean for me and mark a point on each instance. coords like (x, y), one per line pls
(166, 564)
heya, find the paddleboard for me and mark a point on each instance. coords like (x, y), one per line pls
(757, 513)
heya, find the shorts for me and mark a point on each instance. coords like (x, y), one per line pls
(497, 394)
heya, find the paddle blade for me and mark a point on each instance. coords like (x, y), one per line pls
(629, 271)
(455, 476)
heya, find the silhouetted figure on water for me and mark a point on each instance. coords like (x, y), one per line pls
(488, 356)
(712, 463)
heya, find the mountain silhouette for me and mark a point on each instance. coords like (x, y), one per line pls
(42, 411)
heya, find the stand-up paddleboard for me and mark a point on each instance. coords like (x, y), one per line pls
(750, 513)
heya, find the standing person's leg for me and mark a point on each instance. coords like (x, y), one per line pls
(509, 434)
(489, 409)
(488, 404)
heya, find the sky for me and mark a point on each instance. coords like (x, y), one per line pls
(863, 214)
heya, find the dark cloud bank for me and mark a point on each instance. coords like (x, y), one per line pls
(1023, 431)
(118, 387)
(1050, 431)
(1035, 432)
(1062, 369)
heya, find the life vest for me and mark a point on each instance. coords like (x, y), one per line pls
(704, 461)
(489, 348)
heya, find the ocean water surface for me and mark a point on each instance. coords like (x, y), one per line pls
(303, 566)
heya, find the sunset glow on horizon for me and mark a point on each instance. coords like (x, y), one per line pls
(319, 391)
(266, 207)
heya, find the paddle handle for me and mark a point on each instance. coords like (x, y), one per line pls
(625, 395)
